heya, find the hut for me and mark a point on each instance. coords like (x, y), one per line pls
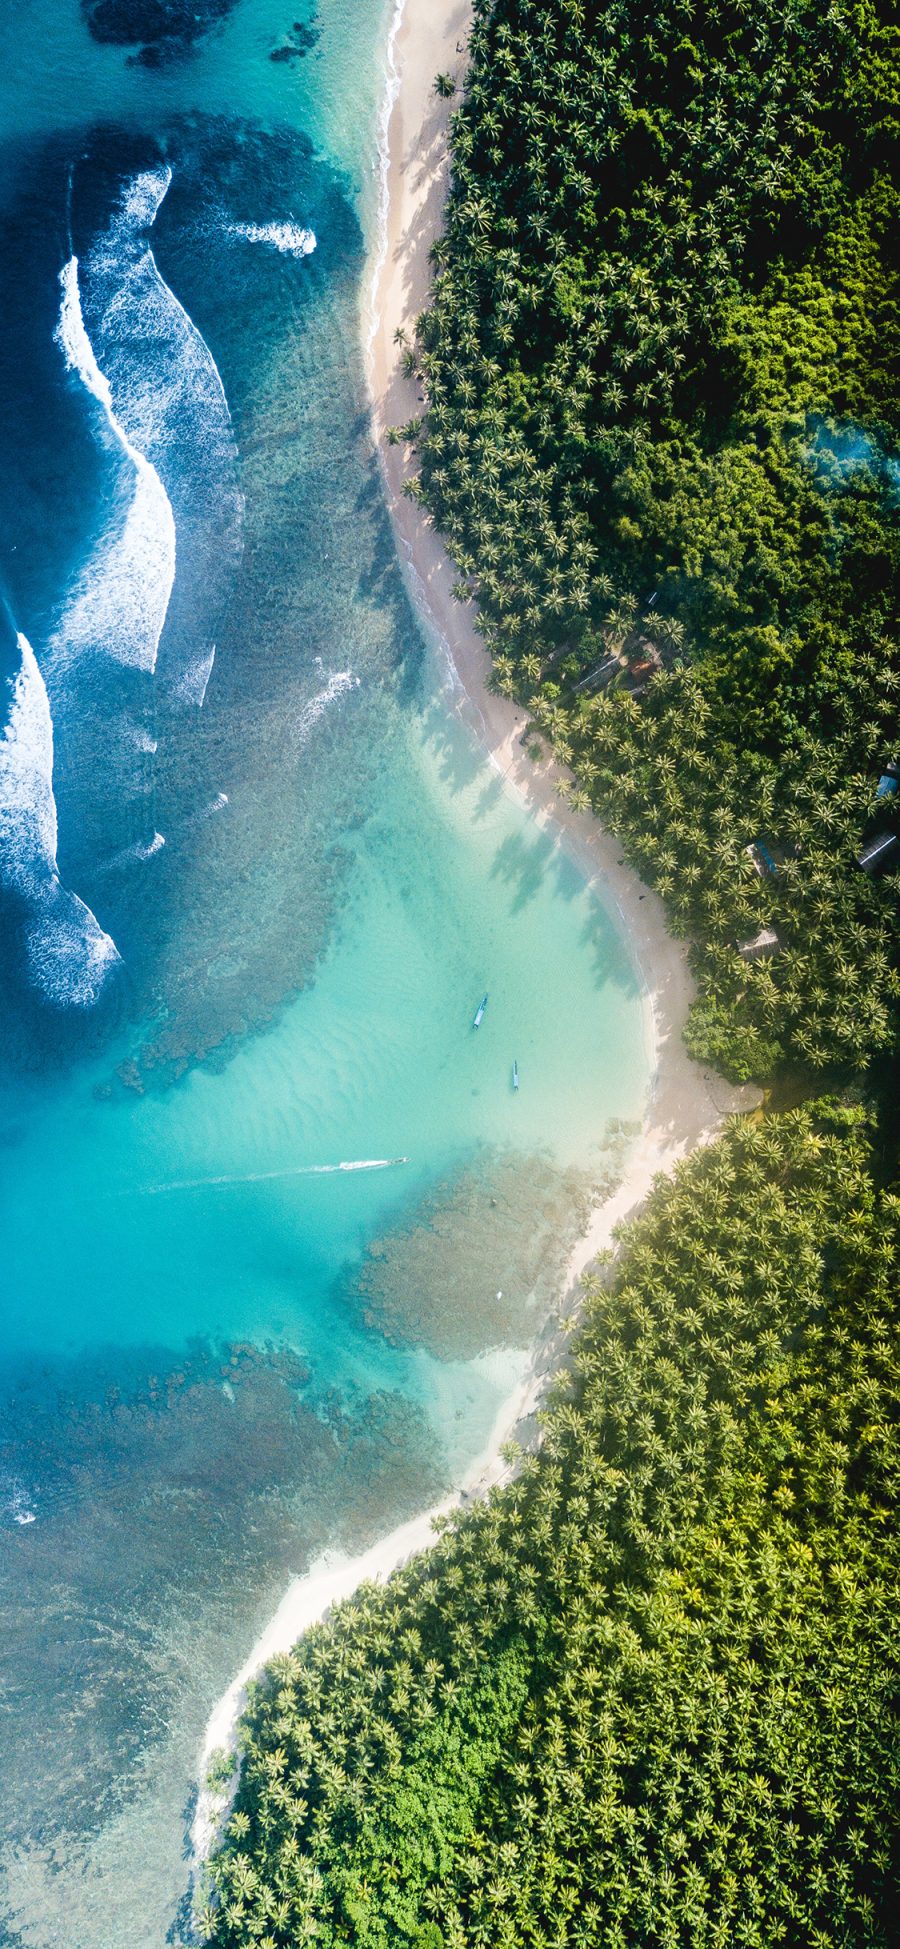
(762, 947)
(644, 661)
(880, 851)
(889, 782)
(601, 675)
(761, 859)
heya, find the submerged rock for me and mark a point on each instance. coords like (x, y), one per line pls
(300, 42)
(479, 1261)
(162, 29)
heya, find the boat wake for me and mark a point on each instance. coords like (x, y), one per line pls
(69, 955)
(267, 1177)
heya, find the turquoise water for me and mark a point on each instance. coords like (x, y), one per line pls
(286, 876)
(222, 1179)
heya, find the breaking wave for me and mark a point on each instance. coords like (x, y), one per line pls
(27, 806)
(121, 601)
(136, 854)
(308, 717)
(135, 349)
(288, 238)
(168, 396)
(16, 1502)
(69, 955)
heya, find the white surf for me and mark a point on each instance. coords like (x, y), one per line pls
(120, 603)
(69, 954)
(290, 239)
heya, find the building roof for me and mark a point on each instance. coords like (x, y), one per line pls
(878, 850)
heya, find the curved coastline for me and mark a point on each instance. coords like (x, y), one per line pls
(687, 1104)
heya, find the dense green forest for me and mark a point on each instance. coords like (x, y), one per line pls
(662, 377)
(646, 1695)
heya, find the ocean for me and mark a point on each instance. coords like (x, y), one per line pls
(277, 1232)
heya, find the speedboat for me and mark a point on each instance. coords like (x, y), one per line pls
(479, 1012)
(515, 1075)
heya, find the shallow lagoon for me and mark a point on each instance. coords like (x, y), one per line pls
(219, 1356)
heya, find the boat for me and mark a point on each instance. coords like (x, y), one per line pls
(515, 1075)
(479, 1012)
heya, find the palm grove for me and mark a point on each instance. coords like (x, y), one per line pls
(648, 1692)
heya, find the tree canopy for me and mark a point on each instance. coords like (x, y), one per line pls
(661, 365)
(647, 1693)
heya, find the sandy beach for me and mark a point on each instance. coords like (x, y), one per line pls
(687, 1103)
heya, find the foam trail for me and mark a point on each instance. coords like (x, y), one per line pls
(140, 737)
(135, 349)
(207, 811)
(145, 849)
(193, 684)
(141, 850)
(15, 1502)
(338, 682)
(288, 238)
(267, 1177)
(69, 955)
(121, 602)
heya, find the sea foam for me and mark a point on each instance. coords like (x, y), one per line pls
(310, 713)
(169, 398)
(136, 854)
(120, 603)
(16, 1502)
(69, 955)
(28, 832)
(136, 350)
(288, 238)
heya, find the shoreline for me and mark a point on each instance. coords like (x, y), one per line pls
(687, 1105)
(687, 1102)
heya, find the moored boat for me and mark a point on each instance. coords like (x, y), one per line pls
(479, 1012)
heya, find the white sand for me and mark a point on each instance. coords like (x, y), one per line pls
(328, 1581)
(688, 1103)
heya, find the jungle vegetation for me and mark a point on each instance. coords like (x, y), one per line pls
(646, 1695)
(661, 369)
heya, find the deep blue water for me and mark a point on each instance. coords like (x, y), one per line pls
(254, 877)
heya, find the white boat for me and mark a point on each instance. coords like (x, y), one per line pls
(479, 1012)
(515, 1079)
